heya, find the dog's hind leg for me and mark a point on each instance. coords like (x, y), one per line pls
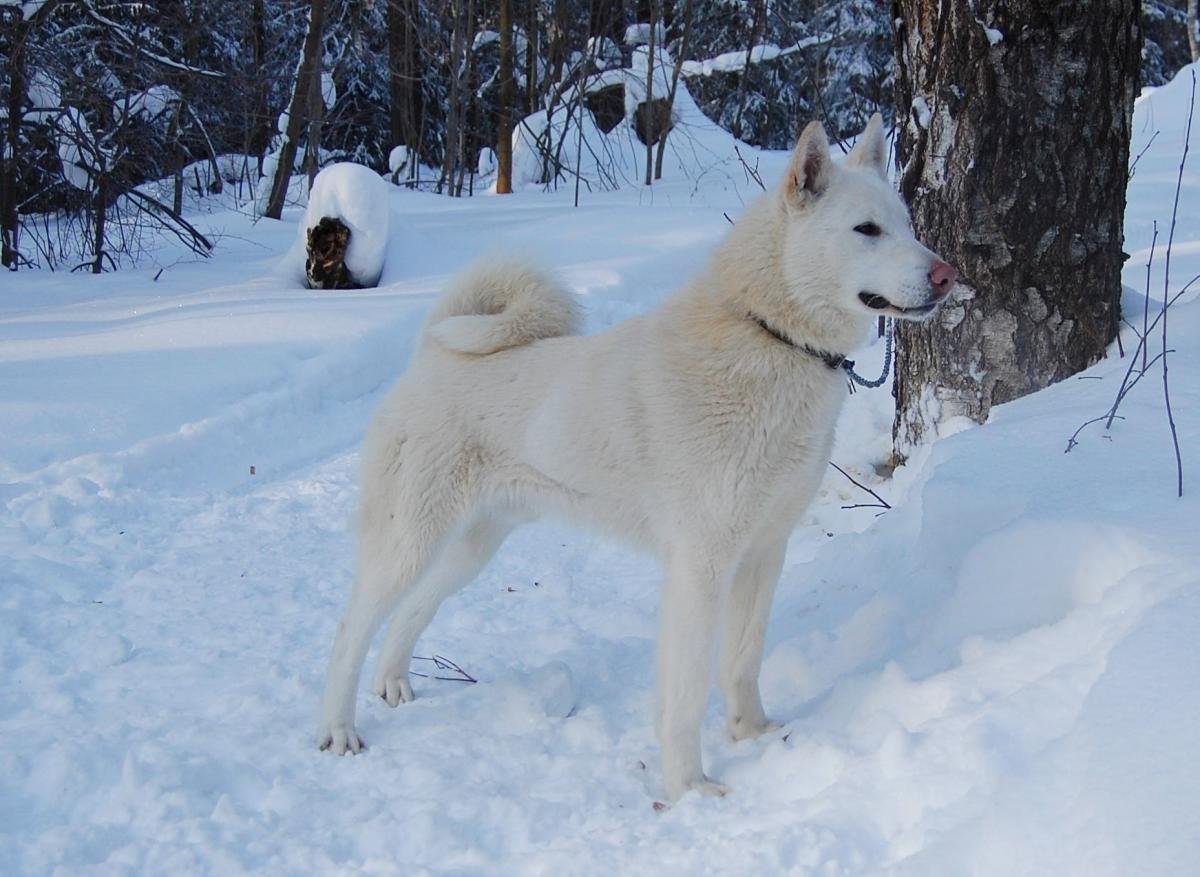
(746, 614)
(459, 562)
(692, 592)
(391, 562)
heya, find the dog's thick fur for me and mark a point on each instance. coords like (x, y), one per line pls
(691, 431)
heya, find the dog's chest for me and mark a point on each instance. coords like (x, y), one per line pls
(769, 440)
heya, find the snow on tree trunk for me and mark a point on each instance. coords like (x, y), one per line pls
(1014, 123)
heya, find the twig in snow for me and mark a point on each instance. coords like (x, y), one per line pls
(1146, 298)
(1074, 439)
(880, 503)
(1130, 379)
(445, 665)
(1187, 139)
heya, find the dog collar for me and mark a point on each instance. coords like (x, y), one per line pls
(833, 360)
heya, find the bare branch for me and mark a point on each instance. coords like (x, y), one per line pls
(881, 502)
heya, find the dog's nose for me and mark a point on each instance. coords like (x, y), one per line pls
(941, 277)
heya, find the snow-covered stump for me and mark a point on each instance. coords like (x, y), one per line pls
(345, 228)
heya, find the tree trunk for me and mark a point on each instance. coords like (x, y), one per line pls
(316, 117)
(682, 54)
(397, 127)
(1014, 122)
(505, 122)
(258, 137)
(1191, 29)
(531, 59)
(467, 127)
(402, 74)
(175, 138)
(650, 94)
(454, 108)
(10, 148)
(757, 28)
(307, 77)
(100, 211)
(10, 143)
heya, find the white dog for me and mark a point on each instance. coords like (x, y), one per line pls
(699, 431)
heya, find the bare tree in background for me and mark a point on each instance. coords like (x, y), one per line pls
(505, 115)
(757, 24)
(308, 81)
(403, 75)
(258, 132)
(1193, 45)
(1014, 124)
(651, 127)
(20, 30)
(454, 106)
(681, 54)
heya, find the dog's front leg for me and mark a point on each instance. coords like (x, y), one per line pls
(692, 593)
(746, 614)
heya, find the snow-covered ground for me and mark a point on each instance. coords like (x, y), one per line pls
(998, 676)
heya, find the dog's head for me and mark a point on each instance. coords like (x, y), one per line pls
(848, 233)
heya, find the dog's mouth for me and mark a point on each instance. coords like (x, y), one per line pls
(879, 303)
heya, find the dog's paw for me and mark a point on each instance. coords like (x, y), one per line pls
(340, 739)
(709, 788)
(740, 729)
(394, 689)
(703, 785)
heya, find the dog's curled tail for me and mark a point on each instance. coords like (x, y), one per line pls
(498, 304)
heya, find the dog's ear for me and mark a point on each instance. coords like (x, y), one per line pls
(870, 152)
(810, 169)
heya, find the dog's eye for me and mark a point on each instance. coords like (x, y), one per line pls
(870, 229)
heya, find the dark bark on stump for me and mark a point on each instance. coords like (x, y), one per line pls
(325, 265)
(1014, 121)
(607, 106)
(652, 121)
